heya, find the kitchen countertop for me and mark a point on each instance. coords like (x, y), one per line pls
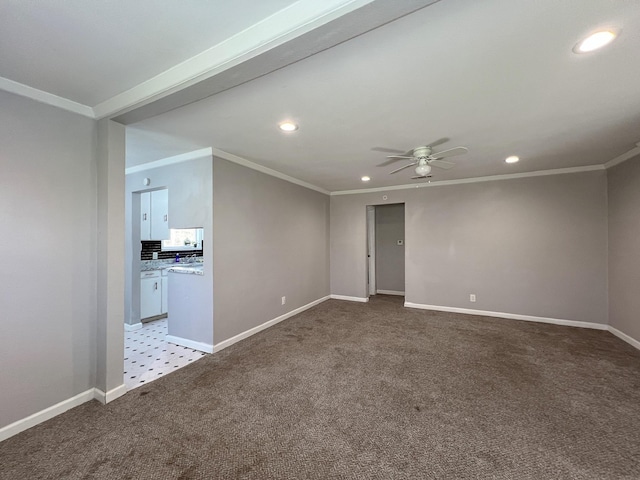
(187, 269)
(148, 265)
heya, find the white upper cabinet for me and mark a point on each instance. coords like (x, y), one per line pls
(145, 216)
(160, 214)
(154, 215)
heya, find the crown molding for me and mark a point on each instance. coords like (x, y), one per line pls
(215, 152)
(45, 97)
(269, 171)
(163, 162)
(491, 178)
(624, 157)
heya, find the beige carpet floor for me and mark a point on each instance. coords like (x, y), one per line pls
(364, 391)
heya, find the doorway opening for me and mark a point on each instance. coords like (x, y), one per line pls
(169, 280)
(385, 249)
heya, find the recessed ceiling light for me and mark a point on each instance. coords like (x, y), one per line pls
(288, 126)
(512, 159)
(596, 40)
(365, 178)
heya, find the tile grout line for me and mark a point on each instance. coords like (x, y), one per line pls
(141, 346)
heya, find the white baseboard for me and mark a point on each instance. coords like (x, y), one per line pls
(58, 408)
(623, 336)
(203, 347)
(111, 395)
(252, 331)
(133, 327)
(97, 394)
(350, 299)
(46, 414)
(390, 292)
(512, 316)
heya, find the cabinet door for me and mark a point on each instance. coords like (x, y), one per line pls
(145, 216)
(150, 297)
(160, 214)
(165, 294)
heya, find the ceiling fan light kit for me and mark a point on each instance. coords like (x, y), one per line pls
(423, 170)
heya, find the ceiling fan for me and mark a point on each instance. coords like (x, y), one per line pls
(423, 158)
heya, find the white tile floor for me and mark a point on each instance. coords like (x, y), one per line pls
(147, 355)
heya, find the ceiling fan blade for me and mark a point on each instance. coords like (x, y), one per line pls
(402, 168)
(441, 164)
(386, 150)
(400, 156)
(440, 141)
(450, 152)
(388, 162)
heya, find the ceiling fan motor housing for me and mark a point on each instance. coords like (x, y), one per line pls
(422, 152)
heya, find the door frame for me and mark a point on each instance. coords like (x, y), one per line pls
(371, 250)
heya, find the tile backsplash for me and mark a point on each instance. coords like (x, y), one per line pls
(150, 246)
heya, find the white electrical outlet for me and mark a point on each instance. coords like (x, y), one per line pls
(472, 297)
(155, 255)
(284, 300)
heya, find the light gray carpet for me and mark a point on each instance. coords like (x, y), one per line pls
(364, 391)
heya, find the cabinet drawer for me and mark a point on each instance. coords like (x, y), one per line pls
(150, 274)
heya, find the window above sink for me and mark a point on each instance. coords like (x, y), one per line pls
(183, 239)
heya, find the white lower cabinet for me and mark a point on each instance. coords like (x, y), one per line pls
(150, 294)
(164, 281)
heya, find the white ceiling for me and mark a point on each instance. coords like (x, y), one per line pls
(99, 58)
(496, 76)
(90, 51)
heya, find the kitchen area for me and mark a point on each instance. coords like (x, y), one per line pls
(169, 288)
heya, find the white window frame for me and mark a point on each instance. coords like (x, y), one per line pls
(175, 248)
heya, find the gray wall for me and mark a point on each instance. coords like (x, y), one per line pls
(270, 240)
(109, 221)
(264, 238)
(47, 220)
(534, 246)
(390, 255)
(531, 246)
(190, 205)
(624, 247)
